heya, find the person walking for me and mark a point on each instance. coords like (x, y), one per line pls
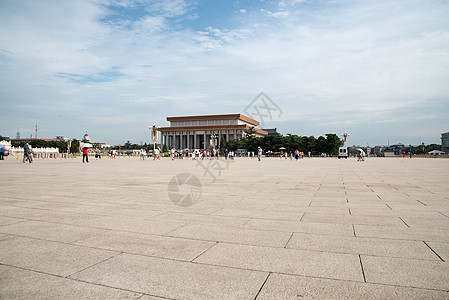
(259, 153)
(27, 153)
(85, 155)
(2, 152)
(143, 154)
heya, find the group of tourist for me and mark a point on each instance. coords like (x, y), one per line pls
(296, 155)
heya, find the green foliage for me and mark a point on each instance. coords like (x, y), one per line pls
(130, 146)
(419, 149)
(74, 147)
(62, 145)
(290, 142)
(223, 145)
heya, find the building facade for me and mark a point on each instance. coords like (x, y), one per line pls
(200, 132)
(445, 142)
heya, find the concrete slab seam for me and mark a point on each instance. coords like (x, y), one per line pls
(263, 284)
(203, 252)
(97, 263)
(361, 266)
(434, 251)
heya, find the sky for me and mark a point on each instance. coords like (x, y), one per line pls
(378, 70)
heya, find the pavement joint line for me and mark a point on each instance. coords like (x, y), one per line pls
(97, 263)
(247, 221)
(286, 244)
(388, 206)
(353, 230)
(349, 210)
(422, 202)
(192, 260)
(443, 214)
(434, 251)
(213, 212)
(263, 284)
(404, 222)
(361, 266)
(170, 231)
(94, 235)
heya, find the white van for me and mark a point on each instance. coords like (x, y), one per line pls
(343, 152)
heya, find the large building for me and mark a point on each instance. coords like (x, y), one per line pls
(445, 142)
(198, 132)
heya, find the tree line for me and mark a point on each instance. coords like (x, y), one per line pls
(323, 144)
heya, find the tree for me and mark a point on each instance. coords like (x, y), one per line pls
(74, 148)
(332, 143)
(223, 143)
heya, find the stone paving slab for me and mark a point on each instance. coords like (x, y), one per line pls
(131, 224)
(351, 219)
(287, 261)
(174, 279)
(259, 214)
(230, 234)
(406, 272)
(415, 234)
(307, 229)
(49, 257)
(388, 212)
(194, 218)
(151, 245)
(50, 231)
(359, 245)
(299, 226)
(17, 283)
(281, 286)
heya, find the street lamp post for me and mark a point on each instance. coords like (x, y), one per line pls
(213, 141)
(69, 144)
(154, 129)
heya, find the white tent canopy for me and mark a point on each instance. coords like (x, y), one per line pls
(433, 152)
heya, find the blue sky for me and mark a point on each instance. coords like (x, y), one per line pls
(376, 69)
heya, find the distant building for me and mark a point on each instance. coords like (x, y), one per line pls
(445, 142)
(272, 132)
(197, 132)
(23, 140)
(86, 137)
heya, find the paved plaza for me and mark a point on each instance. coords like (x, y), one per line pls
(318, 228)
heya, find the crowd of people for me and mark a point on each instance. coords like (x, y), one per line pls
(198, 154)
